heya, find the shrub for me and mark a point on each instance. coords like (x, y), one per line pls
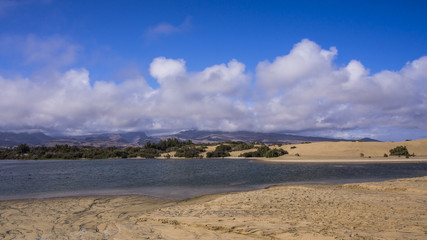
(399, 151)
(385, 155)
(216, 154)
(276, 152)
(23, 148)
(265, 151)
(238, 146)
(220, 151)
(189, 152)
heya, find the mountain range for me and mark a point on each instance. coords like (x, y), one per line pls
(8, 139)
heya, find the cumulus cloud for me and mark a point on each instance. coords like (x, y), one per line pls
(305, 90)
(302, 91)
(167, 28)
(68, 101)
(307, 60)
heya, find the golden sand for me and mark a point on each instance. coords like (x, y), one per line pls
(349, 151)
(385, 210)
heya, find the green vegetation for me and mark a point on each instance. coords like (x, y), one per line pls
(276, 152)
(220, 151)
(239, 145)
(399, 151)
(184, 149)
(150, 150)
(189, 152)
(168, 145)
(265, 151)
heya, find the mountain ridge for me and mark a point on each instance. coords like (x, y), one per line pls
(9, 139)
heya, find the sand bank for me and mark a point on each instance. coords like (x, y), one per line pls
(341, 160)
(386, 210)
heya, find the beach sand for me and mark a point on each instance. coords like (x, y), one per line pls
(385, 210)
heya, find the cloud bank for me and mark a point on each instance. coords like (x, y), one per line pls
(298, 92)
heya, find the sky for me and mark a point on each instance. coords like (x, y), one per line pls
(346, 69)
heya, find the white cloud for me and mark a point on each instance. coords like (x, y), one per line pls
(310, 92)
(69, 102)
(303, 91)
(305, 61)
(168, 29)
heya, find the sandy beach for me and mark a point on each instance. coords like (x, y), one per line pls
(394, 209)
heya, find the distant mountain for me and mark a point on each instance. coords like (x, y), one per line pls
(369, 140)
(105, 140)
(246, 136)
(140, 138)
(9, 139)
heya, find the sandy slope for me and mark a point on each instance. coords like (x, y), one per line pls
(351, 150)
(388, 210)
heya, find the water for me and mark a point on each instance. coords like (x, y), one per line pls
(178, 178)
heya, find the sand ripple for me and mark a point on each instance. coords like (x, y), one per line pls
(389, 210)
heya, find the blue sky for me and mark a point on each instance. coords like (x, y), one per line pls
(76, 67)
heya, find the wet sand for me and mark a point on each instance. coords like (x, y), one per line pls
(386, 210)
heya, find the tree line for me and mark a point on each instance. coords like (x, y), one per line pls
(184, 149)
(150, 150)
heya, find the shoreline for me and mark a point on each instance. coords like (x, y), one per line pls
(392, 209)
(332, 159)
(343, 161)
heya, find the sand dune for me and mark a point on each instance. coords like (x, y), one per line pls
(350, 150)
(388, 210)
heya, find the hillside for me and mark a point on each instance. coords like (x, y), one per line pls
(245, 136)
(351, 150)
(8, 139)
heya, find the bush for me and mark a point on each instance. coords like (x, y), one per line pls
(189, 152)
(385, 155)
(262, 150)
(148, 153)
(399, 151)
(22, 149)
(276, 152)
(265, 151)
(239, 146)
(216, 154)
(250, 154)
(220, 151)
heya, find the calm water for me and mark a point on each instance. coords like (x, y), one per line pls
(178, 179)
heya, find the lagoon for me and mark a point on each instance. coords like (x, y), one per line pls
(178, 179)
